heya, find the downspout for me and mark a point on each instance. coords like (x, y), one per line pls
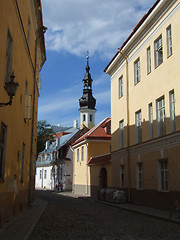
(87, 169)
(128, 137)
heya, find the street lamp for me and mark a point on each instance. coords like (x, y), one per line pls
(11, 88)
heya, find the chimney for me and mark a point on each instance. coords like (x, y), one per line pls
(58, 142)
(47, 145)
(75, 123)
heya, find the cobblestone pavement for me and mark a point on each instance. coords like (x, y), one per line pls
(74, 218)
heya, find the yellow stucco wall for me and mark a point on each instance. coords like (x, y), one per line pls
(152, 86)
(19, 130)
(81, 172)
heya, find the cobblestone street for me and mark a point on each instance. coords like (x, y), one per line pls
(75, 218)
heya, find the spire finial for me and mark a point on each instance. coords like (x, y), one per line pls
(87, 54)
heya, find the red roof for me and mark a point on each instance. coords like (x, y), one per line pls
(98, 132)
(133, 32)
(99, 159)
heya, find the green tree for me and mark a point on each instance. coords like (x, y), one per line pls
(44, 133)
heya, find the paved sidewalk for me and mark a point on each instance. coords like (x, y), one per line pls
(21, 226)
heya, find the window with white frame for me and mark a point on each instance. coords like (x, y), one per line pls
(169, 41)
(9, 54)
(122, 176)
(40, 174)
(150, 121)
(172, 110)
(148, 60)
(137, 71)
(45, 174)
(120, 86)
(82, 153)
(121, 133)
(138, 124)
(139, 175)
(90, 117)
(163, 175)
(3, 134)
(158, 51)
(161, 126)
(78, 155)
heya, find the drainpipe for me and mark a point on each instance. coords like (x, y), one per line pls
(31, 184)
(87, 169)
(128, 137)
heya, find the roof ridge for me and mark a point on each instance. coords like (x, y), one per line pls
(97, 126)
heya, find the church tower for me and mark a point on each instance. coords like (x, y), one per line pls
(87, 102)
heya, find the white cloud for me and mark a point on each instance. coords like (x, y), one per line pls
(100, 26)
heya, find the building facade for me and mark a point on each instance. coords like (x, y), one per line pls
(145, 103)
(87, 172)
(54, 165)
(22, 56)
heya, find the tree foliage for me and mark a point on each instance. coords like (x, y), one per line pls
(44, 133)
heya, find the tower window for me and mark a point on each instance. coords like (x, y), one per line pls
(90, 118)
(84, 117)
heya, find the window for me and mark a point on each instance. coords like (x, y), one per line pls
(84, 117)
(45, 174)
(82, 153)
(148, 60)
(158, 51)
(78, 155)
(28, 33)
(90, 117)
(137, 71)
(161, 127)
(120, 86)
(122, 176)
(40, 174)
(150, 121)
(121, 133)
(172, 111)
(163, 175)
(9, 53)
(22, 163)
(3, 134)
(139, 172)
(169, 41)
(28, 103)
(138, 127)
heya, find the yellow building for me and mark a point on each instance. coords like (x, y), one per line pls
(145, 109)
(92, 168)
(22, 56)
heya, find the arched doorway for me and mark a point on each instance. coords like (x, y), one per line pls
(103, 178)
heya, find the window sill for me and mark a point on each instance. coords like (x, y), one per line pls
(158, 65)
(137, 83)
(169, 55)
(163, 191)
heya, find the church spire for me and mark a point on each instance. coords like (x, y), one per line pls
(87, 102)
(87, 81)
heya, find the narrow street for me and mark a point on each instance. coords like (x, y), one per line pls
(76, 218)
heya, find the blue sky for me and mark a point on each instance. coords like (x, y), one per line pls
(99, 26)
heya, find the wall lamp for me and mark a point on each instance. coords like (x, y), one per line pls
(11, 88)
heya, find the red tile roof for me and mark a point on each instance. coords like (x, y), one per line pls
(99, 159)
(133, 32)
(97, 132)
